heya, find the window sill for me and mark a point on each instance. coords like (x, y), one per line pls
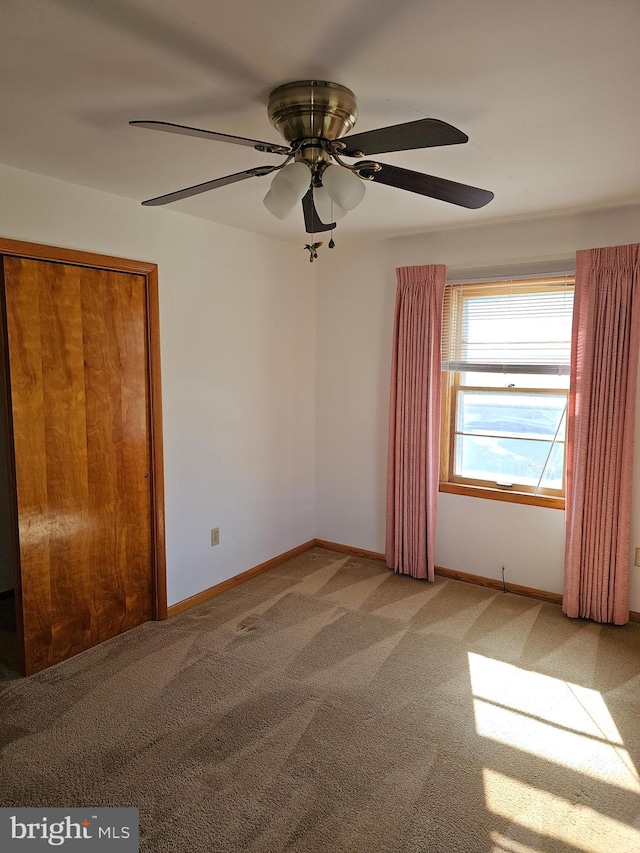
(500, 495)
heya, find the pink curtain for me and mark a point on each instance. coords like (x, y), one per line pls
(414, 421)
(604, 365)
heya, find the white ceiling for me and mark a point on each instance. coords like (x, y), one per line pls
(548, 92)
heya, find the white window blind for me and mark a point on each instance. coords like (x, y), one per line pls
(517, 326)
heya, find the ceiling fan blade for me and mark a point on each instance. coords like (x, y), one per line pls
(417, 182)
(256, 172)
(424, 133)
(312, 221)
(168, 127)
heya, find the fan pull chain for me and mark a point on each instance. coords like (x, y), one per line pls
(313, 246)
(332, 242)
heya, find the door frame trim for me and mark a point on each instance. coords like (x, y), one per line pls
(149, 272)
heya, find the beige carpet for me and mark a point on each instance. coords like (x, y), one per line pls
(331, 705)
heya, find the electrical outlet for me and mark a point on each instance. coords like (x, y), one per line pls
(637, 560)
(215, 536)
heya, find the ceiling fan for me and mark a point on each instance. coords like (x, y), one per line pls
(313, 116)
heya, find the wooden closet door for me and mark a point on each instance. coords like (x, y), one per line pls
(79, 398)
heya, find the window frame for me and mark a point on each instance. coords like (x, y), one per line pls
(450, 390)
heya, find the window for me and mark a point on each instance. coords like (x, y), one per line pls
(505, 360)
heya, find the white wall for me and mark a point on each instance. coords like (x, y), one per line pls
(355, 304)
(237, 318)
(238, 340)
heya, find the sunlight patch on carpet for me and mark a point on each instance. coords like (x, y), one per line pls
(550, 816)
(552, 719)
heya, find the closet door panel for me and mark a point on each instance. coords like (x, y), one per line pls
(78, 372)
(113, 308)
(30, 448)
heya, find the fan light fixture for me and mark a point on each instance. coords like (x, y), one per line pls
(287, 189)
(315, 118)
(343, 186)
(341, 190)
(327, 209)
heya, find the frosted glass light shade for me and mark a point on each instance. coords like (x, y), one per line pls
(279, 206)
(326, 208)
(292, 181)
(343, 186)
(287, 189)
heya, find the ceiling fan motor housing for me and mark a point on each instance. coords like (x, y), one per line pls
(312, 109)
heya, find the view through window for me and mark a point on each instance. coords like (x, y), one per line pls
(506, 361)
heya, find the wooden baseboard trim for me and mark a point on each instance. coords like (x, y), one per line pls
(451, 574)
(529, 592)
(465, 577)
(206, 594)
(347, 549)
(493, 583)
(479, 580)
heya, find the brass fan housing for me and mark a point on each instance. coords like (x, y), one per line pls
(311, 109)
